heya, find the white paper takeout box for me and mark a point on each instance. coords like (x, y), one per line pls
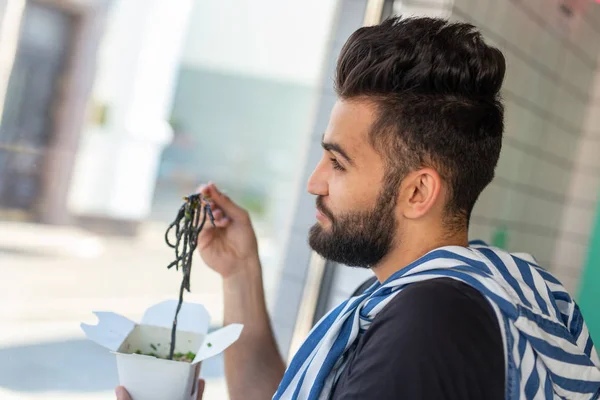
(151, 378)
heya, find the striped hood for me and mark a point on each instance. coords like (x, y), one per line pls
(548, 349)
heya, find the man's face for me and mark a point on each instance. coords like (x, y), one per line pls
(356, 224)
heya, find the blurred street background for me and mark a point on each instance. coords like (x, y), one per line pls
(112, 110)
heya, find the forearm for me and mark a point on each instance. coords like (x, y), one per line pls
(253, 365)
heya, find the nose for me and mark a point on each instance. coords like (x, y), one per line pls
(317, 183)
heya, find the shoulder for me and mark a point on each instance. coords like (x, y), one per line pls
(438, 295)
(435, 339)
(447, 304)
(436, 299)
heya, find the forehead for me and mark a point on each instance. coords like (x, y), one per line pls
(349, 125)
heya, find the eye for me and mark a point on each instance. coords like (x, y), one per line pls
(336, 164)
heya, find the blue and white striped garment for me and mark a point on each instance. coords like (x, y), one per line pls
(548, 350)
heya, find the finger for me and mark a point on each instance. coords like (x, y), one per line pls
(223, 222)
(217, 214)
(201, 384)
(122, 393)
(223, 202)
(205, 191)
(202, 189)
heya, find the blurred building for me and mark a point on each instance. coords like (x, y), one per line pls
(160, 106)
(87, 101)
(47, 64)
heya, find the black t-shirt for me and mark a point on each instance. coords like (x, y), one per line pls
(438, 339)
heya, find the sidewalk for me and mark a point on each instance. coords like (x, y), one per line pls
(52, 278)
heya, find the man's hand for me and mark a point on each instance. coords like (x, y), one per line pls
(253, 365)
(232, 244)
(123, 395)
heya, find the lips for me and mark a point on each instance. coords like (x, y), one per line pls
(320, 215)
(322, 212)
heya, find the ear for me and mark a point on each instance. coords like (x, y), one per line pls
(420, 191)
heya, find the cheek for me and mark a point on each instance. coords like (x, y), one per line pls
(347, 195)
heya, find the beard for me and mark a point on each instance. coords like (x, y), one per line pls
(358, 238)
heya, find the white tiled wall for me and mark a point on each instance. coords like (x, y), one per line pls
(580, 208)
(544, 193)
(432, 8)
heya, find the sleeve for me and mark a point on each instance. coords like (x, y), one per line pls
(435, 340)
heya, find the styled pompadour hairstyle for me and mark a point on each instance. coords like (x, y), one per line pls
(436, 86)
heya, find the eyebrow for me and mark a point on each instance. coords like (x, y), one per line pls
(328, 146)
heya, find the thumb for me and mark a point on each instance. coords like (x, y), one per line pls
(201, 384)
(122, 393)
(223, 202)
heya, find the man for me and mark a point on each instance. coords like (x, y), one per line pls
(412, 141)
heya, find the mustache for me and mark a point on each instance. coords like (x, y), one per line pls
(323, 209)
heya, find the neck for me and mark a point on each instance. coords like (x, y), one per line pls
(414, 247)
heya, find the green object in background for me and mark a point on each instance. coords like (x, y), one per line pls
(500, 238)
(589, 283)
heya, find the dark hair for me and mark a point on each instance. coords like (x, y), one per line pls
(436, 87)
